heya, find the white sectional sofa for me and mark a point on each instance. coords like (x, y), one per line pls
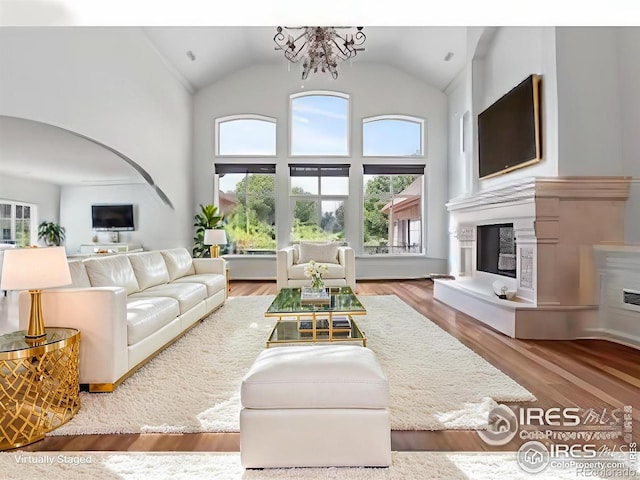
(129, 307)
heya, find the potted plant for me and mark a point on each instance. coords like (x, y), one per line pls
(52, 233)
(208, 217)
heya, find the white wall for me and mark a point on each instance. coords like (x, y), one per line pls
(148, 210)
(375, 89)
(591, 103)
(110, 85)
(629, 79)
(589, 116)
(46, 196)
(457, 164)
(513, 54)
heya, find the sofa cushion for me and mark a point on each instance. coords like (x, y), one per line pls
(112, 271)
(320, 252)
(178, 262)
(79, 277)
(149, 268)
(188, 295)
(334, 270)
(146, 316)
(213, 281)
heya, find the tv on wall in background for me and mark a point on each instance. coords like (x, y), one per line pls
(509, 134)
(112, 217)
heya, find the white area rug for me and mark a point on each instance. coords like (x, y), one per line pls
(193, 386)
(226, 466)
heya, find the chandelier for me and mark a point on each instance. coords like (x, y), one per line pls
(319, 48)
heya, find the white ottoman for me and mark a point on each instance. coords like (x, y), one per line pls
(315, 406)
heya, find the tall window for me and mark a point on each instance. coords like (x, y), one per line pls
(247, 197)
(393, 209)
(319, 123)
(245, 135)
(318, 195)
(17, 223)
(392, 136)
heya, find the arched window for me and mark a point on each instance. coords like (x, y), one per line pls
(319, 124)
(392, 136)
(246, 136)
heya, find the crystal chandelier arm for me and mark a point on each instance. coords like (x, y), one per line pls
(360, 38)
(343, 50)
(287, 44)
(321, 47)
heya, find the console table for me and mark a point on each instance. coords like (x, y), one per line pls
(39, 387)
(110, 247)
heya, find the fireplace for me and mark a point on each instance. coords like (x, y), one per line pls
(536, 236)
(496, 249)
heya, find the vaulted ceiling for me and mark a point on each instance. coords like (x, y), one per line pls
(30, 149)
(220, 51)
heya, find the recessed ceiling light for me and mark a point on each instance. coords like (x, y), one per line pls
(448, 56)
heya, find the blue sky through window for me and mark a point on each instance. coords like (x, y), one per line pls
(320, 125)
(247, 137)
(391, 138)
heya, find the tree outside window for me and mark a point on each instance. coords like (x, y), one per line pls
(318, 194)
(248, 202)
(392, 211)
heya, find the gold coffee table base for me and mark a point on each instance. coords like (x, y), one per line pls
(39, 389)
(329, 322)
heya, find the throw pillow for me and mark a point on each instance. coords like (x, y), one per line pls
(320, 252)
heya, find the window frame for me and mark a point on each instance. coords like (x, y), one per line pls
(405, 118)
(244, 116)
(246, 169)
(316, 197)
(327, 93)
(400, 169)
(33, 222)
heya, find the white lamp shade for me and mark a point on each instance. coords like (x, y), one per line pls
(215, 236)
(34, 268)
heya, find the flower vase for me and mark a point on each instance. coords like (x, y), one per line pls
(317, 283)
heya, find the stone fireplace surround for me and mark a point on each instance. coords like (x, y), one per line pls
(557, 221)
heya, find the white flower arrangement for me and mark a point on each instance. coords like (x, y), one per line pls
(315, 271)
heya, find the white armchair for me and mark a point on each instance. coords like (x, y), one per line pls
(340, 261)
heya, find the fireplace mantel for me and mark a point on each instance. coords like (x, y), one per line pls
(526, 190)
(555, 231)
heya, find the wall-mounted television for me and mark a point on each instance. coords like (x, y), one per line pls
(112, 217)
(509, 133)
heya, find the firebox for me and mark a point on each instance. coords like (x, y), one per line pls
(496, 249)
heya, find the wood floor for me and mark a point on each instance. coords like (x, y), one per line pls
(587, 374)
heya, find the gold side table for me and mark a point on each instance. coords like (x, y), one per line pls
(39, 385)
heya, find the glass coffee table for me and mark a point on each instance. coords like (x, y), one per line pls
(299, 322)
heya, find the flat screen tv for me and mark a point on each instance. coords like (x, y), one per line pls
(509, 134)
(112, 217)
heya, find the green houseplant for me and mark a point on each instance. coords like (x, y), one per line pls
(52, 233)
(208, 217)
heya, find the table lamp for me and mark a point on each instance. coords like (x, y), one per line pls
(215, 237)
(34, 269)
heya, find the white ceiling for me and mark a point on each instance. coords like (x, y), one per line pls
(44, 152)
(39, 151)
(219, 51)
